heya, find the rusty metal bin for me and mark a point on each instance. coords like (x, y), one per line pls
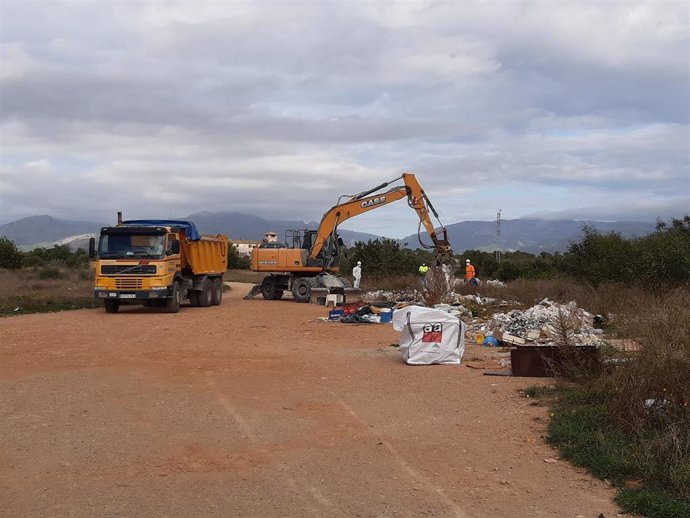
(539, 361)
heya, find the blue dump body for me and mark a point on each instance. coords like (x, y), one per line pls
(189, 228)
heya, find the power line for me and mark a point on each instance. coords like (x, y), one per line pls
(498, 236)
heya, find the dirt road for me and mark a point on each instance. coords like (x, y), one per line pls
(253, 408)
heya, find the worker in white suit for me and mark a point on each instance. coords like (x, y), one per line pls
(357, 274)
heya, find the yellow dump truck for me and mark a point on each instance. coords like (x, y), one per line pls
(158, 263)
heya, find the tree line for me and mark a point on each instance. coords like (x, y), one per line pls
(662, 257)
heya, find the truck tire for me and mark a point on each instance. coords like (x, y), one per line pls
(204, 295)
(269, 289)
(301, 290)
(112, 306)
(172, 305)
(193, 298)
(216, 291)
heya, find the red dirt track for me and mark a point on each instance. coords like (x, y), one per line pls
(254, 408)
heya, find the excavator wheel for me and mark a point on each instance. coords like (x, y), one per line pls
(269, 289)
(301, 290)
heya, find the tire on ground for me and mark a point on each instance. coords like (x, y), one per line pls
(301, 290)
(269, 289)
(217, 291)
(111, 305)
(172, 305)
(204, 295)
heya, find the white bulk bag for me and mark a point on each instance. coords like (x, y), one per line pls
(429, 336)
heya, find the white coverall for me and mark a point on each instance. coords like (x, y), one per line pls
(357, 274)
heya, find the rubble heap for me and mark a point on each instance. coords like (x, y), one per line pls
(407, 295)
(545, 321)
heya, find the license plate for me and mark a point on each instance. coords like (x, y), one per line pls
(128, 296)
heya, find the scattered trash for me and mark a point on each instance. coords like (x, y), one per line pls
(491, 341)
(550, 461)
(654, 404)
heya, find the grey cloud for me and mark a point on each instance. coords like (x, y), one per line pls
(276, 108)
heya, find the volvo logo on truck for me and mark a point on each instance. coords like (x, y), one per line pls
(374, 201)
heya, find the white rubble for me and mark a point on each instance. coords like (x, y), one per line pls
(545, 321)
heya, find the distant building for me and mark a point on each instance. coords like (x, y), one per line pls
(245, 246)
(271, 237)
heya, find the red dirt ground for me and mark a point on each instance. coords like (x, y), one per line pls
(255, 408)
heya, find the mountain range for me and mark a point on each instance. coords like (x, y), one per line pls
(527, 235)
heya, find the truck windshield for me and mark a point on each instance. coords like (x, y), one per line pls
(131, 245)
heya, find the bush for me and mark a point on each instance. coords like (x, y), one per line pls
(50, 273)
(237, 261)
(382, 257)
(10, 256)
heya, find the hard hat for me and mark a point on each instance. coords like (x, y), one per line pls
(467, 260)
(359, 263)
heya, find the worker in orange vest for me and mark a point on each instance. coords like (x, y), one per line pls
(469, 272)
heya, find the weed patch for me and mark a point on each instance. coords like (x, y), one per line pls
(584, 429)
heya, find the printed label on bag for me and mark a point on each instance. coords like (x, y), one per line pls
(432, 332)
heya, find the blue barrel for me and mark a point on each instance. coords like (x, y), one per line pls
(386, 316)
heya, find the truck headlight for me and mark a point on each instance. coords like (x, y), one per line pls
(159, 287)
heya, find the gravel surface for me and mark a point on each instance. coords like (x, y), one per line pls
(255, 408)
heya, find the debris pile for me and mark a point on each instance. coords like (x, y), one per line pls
(406, 295)
(546, 323)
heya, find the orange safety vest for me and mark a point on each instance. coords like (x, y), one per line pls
(469, 271)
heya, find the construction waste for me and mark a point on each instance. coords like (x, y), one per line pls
(535, 336)
(547, 323)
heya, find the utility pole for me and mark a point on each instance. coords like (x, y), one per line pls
(498, 236)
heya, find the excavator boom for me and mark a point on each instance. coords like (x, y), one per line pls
(367, 201)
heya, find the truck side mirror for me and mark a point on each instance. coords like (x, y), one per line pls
(92, 248)
(340, 241)
(175, 247)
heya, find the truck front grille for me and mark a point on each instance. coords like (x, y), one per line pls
(128, 284)
(114, 269)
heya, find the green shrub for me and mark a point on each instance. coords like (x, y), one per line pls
(10, 256)
(50, 273)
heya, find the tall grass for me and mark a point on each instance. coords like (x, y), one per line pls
(38, 289)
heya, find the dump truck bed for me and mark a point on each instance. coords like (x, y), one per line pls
(208, 255)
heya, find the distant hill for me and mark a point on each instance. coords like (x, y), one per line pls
(45, 229)
(36, 231)
(528, 235)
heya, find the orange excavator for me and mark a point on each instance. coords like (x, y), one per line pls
(308, 260)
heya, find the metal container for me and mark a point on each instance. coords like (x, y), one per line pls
(540, 361)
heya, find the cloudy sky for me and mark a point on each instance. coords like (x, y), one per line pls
(555, 109)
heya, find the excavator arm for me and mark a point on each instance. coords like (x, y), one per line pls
(368, 200)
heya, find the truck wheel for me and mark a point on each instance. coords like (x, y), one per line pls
(301, 290)
(172, 305)
(204, 296)
(269, 289)
(216, 291)
(112, 306)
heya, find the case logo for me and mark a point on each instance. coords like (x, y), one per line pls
(374, 201)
